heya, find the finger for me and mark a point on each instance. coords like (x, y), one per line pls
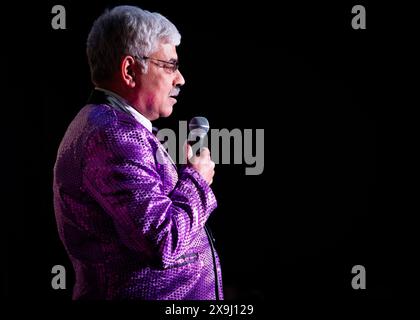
(205, 152)
(188, 151)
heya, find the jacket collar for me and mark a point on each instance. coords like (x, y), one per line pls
(101, 97)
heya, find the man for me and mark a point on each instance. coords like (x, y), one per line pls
(133, 225)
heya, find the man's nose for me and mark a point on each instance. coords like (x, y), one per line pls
(179, 79)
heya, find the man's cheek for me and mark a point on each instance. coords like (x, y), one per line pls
(150, 100)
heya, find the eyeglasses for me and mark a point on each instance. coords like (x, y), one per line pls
(171, 66)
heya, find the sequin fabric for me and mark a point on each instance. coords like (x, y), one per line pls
(133, 227)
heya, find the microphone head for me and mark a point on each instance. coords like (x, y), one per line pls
(200, 123)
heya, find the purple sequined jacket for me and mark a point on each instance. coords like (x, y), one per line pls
(133, 226)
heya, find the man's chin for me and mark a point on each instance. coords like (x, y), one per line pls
(166, 112)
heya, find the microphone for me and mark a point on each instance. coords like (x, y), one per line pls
(198, 126)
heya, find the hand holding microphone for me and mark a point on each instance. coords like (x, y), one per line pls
(201, 161)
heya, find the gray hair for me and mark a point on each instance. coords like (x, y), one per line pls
(126, 30)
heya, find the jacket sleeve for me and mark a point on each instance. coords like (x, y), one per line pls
(119, 172)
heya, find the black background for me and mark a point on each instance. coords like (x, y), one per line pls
(300, 72)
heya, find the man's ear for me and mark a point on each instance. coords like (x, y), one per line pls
(128, 71)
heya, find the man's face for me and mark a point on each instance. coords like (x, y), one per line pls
(157, 89)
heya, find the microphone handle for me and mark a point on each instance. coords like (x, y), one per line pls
(196, 145)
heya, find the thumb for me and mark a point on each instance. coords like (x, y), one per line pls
(188, 151)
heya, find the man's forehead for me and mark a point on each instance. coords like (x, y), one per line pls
(166, 51)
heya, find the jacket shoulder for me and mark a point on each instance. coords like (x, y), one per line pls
(102, 115)
(116, 127)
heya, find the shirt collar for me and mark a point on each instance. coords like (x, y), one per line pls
(137, 115)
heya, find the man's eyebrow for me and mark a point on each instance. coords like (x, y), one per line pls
(173, 60)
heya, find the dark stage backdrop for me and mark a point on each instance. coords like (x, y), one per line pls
(300, 72)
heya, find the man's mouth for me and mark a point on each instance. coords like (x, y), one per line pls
(174, 93)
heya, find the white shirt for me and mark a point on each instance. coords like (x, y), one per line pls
(137, 115)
